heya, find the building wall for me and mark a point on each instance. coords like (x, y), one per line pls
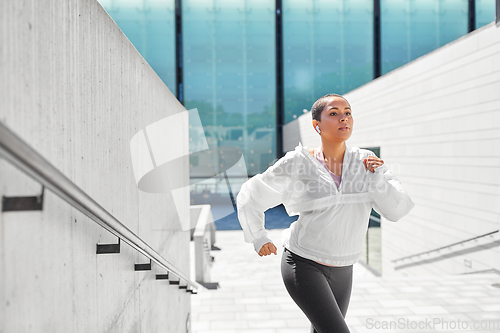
(75, 89)
(437, 123)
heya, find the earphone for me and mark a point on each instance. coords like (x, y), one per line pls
(317, 127)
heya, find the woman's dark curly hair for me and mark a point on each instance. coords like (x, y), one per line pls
(319, 105)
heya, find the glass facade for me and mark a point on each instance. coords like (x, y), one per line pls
(412, 28)
(229, 54)
(150, 26)
(230, 74)
(327, 48)
(485, 12)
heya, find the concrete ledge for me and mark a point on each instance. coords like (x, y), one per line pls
(204, 239)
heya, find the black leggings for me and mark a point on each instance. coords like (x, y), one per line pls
(321, 292)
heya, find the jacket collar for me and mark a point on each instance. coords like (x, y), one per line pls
(347, 153)
(345, 168)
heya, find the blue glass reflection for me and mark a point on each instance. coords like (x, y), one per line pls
(230, 74)
(410, 28)
(327, 48)
(485, 12)
(150, 26)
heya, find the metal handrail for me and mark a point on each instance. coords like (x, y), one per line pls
(444, 247)
(27, 159)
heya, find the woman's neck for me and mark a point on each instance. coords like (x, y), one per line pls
(333, 152)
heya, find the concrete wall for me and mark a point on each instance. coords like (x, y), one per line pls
(76, 90)
(437, 123)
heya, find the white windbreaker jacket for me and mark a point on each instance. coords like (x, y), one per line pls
(332, 222)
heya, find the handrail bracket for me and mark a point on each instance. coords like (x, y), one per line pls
(143, 267)
(17, 204)
(108, 248)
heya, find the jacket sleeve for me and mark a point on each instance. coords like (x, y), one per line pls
(390, 199)
(258, 194)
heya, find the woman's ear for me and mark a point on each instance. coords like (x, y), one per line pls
(316, 126)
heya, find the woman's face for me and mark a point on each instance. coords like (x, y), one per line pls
(336, 120)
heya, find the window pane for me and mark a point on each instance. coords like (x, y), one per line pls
(485, 12)
(327, 48)
(150, 26)
(230, 75)
(410, 29)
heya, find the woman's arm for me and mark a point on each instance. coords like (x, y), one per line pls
(258, 194)
(390, 199)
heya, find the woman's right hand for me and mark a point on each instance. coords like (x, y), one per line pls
(372, 162)
(267, 249)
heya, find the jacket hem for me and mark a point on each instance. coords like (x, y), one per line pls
(337, 261)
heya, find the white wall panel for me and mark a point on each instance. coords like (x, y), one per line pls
(437, 123)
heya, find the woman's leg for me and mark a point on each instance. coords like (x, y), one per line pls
(340, 281)
(321, 293)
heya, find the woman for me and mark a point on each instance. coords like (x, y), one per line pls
(333, 189)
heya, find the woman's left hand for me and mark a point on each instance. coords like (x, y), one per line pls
(372, 162)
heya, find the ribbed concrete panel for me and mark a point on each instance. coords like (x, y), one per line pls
(437, 122)
(291, 135)
(76, 90)
(300, 130)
